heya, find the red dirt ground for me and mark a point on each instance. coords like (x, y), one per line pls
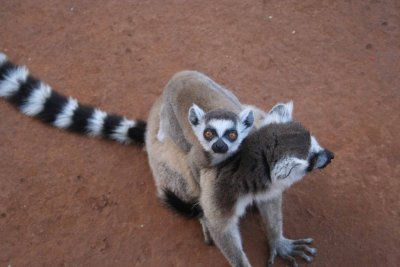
(68, 200)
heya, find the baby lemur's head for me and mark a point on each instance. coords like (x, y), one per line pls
(220, 132)
(291, 150)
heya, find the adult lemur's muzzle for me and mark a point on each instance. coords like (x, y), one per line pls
(320, 160)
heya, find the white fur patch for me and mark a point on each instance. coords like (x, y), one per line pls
(96, 122)
(3, 58)
(315, 147)
(9, 86)
(120, 134)
(289, 170)
(280, 113)
(35, 102)
(161, 135)
(242, 203)
(221, 126)
(64, 119)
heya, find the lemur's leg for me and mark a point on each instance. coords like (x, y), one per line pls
(271, 212)
(226, 237)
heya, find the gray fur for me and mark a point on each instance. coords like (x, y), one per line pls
(258, 173)
(221, 114)
(248, 172)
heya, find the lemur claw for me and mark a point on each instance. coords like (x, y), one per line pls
(288, 249)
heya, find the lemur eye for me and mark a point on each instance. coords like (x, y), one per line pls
(232, 135)
(208, 134)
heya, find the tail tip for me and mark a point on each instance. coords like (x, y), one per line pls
(187, 209)
(138, 131)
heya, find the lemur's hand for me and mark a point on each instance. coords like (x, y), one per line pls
(289, 249)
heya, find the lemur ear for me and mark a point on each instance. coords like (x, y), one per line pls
(195, 115)
(280, 113)
(247, 117)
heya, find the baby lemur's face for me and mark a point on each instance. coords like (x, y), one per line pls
(292, 151)
(220, 132)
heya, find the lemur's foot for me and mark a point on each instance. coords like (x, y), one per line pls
(289, 249)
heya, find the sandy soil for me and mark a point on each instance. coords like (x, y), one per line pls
(68, 200)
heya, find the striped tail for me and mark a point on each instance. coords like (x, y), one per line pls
(35, 98)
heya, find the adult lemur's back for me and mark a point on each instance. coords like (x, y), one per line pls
(35, 98)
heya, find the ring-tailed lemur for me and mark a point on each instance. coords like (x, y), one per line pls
(35, 98)
(169, 158)
(269, 160)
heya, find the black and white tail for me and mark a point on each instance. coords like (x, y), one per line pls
(35, 98)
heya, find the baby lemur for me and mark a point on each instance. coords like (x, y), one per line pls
(194, 110)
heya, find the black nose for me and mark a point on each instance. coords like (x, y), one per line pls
(329, 156)
(219, 147)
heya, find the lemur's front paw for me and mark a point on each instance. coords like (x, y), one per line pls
(289, 249)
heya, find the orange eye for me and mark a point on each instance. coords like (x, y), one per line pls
(232, 136)
(208, 134)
